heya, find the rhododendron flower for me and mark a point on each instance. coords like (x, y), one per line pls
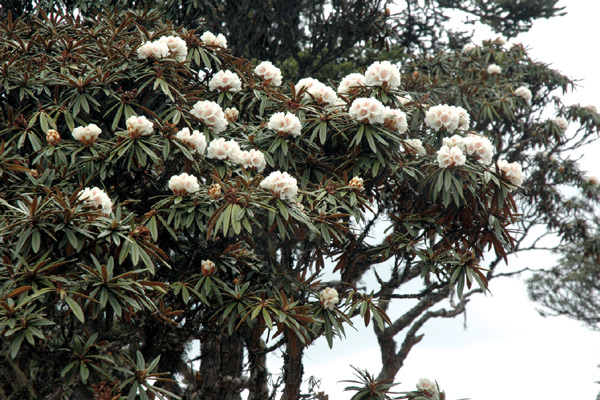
(177, 47)
(524, 93)
(214, 191)
(467, 48)
(221, 149)
(319, 91)
(395, 119)
(231, 114)
(211, 114)
(210, 39)
(562, 123)
(356, 182)
(454, 141)
(305, 84)
(450, 157)
(592, 108)
(268, 73)
(479, 146)
(447, 117)
(195, 139)
(404, 99)
(592, 180)
(207, 267)
(138, 126)
(52, 137)
(383, 74)
(428, 388)
(87, 135)
(414, 146)
(285, 124)
(512, 171)
(494, 69)
(96, 198)
(351, 84)
(329, 298)
(252, 159)
(281, 184)
(155, 49)
(367, 110)
(226, 81)
(183, 184)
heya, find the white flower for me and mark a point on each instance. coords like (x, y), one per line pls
(464, 120)
(592, 108)
(383, 74)
(155, 49)
(207, 267)
(210, 39)
(428, 388)
(176, 45)
(87, 135)
(356, 182)
(524, 93)
(183, 184)
(138, 126)
(97, 198)
(252, 159)
(285, 124)
(321, 93)
(562, 123)
(221, 149)
(367, 110)
(351, 83)
(226, 81)
(512, 171)
(494, 69)
(268, 73)
(479, 146)
(305, 83)
(414, 146)
(450, 157)
(281, 184)
(454, 141)
(195, 139)
(443, 116)
(52, 137)
(404, 99)
(395, 119)
(211, 114)
(329, 298)
(231, 114)
(516, 43)
(467, 48)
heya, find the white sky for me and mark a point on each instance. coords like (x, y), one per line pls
(507, 351)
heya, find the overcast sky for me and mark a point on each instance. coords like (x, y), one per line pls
(507, 351)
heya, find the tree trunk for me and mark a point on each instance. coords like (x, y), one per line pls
(293, 368)
(221, 367)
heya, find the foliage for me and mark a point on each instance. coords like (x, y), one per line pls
(83, 294)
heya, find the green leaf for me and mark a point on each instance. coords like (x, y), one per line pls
(75, 308)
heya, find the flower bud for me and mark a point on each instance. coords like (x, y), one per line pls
(208, 267)
(52, 137)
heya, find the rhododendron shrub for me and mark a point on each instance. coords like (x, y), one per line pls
(147, 208)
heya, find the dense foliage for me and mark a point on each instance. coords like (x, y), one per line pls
(114, 263)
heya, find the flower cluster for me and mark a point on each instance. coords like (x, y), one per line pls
(395, 119)
(428, 389)
(251, 159)
(285, 124)
(210, 39)
(207, 267)
(231, 114)
(211, 114)
(87, 135)
(195, 139)
(447, 117)
(138, 127)
(351, 84)
(367, 110)
(52, 137)
(494, 69)
(226, 81)
(414, 146)
(524, 93)
(322, 93)
(467, 48)
(222, 149)
(384, 74)
(562, 123)
(356, 182)
(163, 47)
(592, 180)
(475, 145)
(96, 198)
(183, 184)
(281, 184)
(329, 298)
(450, 157)
(268, 73)
(511, 171)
